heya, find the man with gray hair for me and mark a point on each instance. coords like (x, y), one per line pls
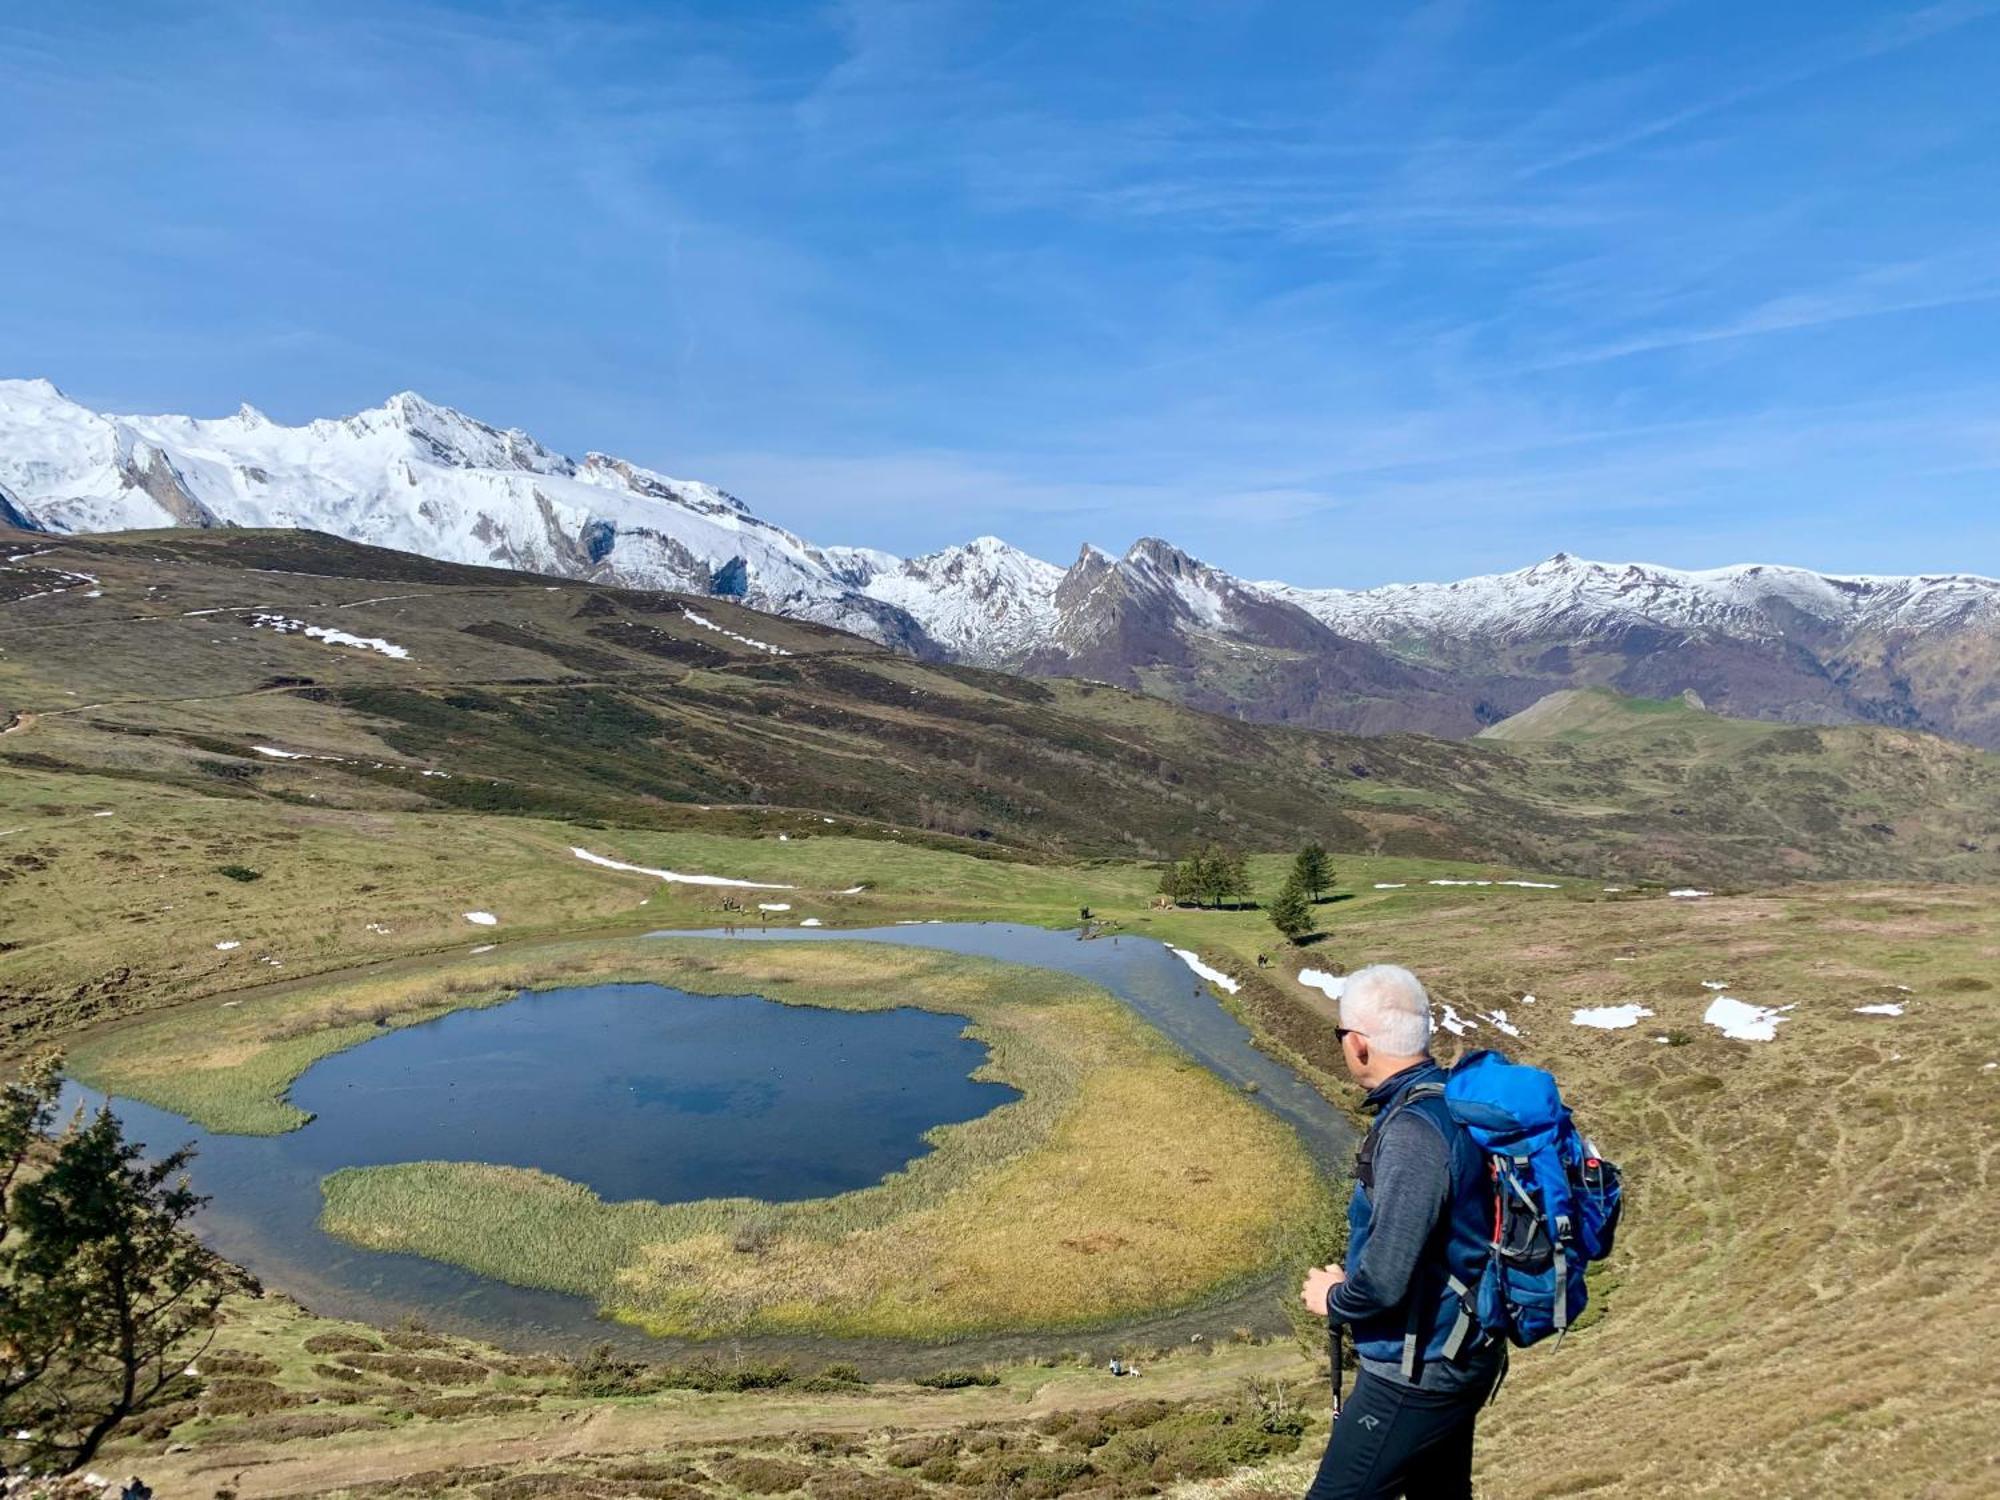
(1418, 1230)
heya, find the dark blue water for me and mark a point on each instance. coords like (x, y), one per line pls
(642, 1092)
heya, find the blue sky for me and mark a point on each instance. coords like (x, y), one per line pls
(1329, 292)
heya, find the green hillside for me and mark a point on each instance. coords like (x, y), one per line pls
(573, 703)
(1592, 713)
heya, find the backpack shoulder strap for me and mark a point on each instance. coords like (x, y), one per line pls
(1413, 1324)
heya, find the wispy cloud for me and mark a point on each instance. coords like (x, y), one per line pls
(1331, 291)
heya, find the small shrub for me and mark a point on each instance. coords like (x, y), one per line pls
(828, 1444)
(237, 1362)
(938, 1470)
(240, 872)
(756, 1474)
(241, 1396)
(914, 1451)
(424, 1369)
(957, 1380)
(601, 1373)
(756, 1233)
(707, 1376)
(411, 1334)
(340, 1343)
(854, 1484)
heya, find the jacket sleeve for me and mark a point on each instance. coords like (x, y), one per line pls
(1412, 1187)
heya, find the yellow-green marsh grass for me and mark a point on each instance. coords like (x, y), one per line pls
(1125, 1178)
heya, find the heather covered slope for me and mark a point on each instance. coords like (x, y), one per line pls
(172, 657)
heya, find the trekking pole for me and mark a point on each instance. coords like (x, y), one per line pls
(1333, 1352)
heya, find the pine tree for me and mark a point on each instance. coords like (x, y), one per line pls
(1235, 879)
(1292, 913)
(1221, 876)
(1313, 870)
(107, 1294)
(1174, 882)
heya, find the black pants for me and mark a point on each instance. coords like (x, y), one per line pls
(1396, 1440)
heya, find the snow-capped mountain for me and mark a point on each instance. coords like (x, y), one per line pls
(985, 602)
(420, 478)
(1442, 658)
(1568, 597)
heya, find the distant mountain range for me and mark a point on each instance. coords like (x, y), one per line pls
(1445, 658)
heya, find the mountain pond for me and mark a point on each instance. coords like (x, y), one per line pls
(643, 1091)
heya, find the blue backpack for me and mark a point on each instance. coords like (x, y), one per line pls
(1555, 1200)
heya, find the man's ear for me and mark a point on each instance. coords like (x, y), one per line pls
(1360, 1050)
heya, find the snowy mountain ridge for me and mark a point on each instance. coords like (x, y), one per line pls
(1566, 594)
(1756, 639)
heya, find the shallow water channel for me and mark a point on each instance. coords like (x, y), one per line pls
(641, 1091)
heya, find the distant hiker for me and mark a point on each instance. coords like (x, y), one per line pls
(1421, 1215)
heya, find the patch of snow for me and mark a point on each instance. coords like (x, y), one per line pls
(1459, 882)
(482, 919)
(1456, 1024)
(224, 947)
(674, 876)
(101, 814)
(774, 906)
(1609, 1017)
(285, 625)
(1390, 885)
(1527, 999)
(484, 948)
(812, 922)
(276, 754)
(1534, 885)
(1715, 984)
(1499, 1019)
(707, 624)
(1214, 976)
(1887, 1009)
(852, 890)
(378, 929)
(1689, 893)
(784, 838)
(1744, 1022)
(1327, 984)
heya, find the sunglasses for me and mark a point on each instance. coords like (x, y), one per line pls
(1342, 1033)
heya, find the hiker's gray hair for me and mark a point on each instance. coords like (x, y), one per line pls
(1388, 1004)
